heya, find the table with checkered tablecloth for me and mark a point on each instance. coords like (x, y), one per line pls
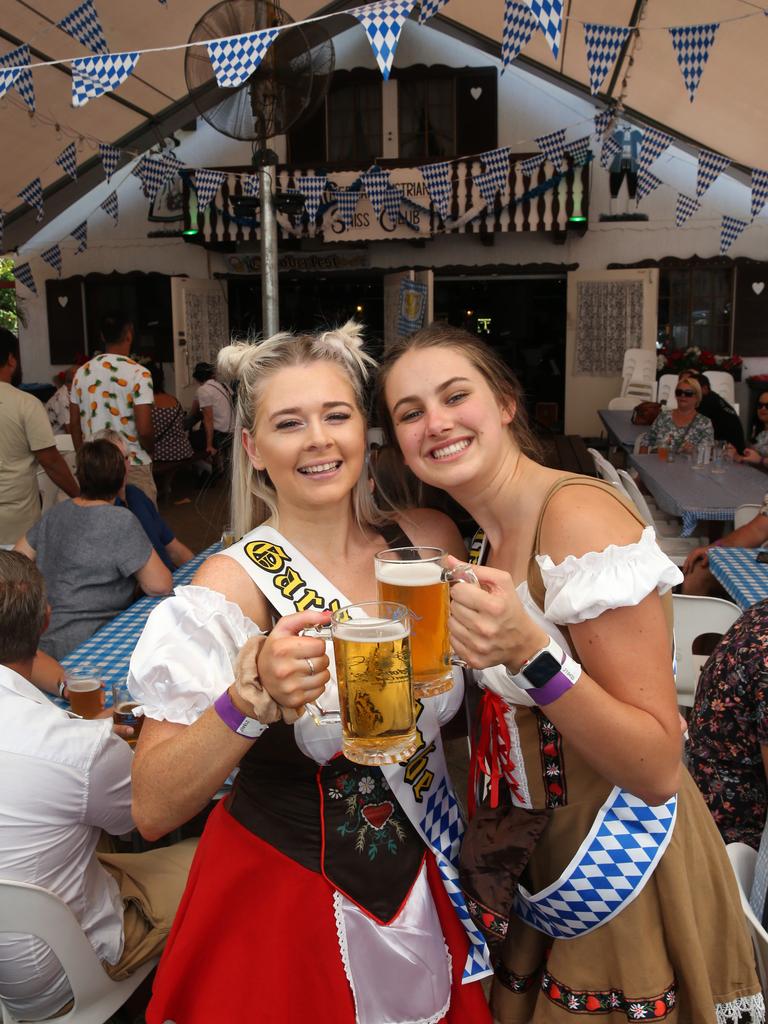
(739, 572)
(699, 494)
(108, 652)
(621, 430)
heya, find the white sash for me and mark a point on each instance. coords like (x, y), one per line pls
(422, 785)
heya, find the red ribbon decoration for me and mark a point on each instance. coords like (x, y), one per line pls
(491, 752)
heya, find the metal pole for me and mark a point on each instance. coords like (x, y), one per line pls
(270, 308)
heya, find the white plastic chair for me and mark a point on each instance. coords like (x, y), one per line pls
(722, 384)
(666, 390)
(623, 402)
(638, 374)
(605, 470)
(743, 859)
(31, 910)
(696, 617)
(675, 547)
(745, 514)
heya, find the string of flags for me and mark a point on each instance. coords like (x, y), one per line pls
(235, 58)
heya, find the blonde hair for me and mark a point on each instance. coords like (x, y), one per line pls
(692, 383)
(254, 498)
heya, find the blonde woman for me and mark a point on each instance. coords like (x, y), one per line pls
(681, 428)
(314, 894)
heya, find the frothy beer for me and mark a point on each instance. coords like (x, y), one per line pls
(419, 586)
(373, 665)
(85, 695)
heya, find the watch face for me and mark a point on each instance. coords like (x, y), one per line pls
(541, 669)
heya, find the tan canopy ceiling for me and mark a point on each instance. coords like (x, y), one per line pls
(730, 113)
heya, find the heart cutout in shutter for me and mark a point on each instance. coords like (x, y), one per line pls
(63, 300)
(476, 92)
(757, 287)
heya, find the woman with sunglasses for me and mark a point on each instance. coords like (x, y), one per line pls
(757, 452)
(681, 428)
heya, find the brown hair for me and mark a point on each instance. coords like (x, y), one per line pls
(497, 375)
(100, 470)
(22, 607)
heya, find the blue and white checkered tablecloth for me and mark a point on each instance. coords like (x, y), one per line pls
(109, 650)
(694, 494)
(738, 570)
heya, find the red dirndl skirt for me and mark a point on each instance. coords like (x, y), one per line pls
(254, 939)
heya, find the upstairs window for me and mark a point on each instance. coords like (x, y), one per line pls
(427, 118)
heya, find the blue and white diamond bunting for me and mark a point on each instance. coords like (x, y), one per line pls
(250, 185)
(437, 179)
(236, 58)
(759, 190)
(93, 76)
(83, 25)
(429, 8)
(603, 121)
(692, 44)
(110, 206)
(151, 174)
(67, 161)
(495, 177)
(580, 149)
(686, 207)
(23, 272)
(603, 44)
(110, 158)
(529, 167)
(347, 200)
(52, 257)
(552, 146)
(312, 187)
(652, 146)
(550, 17)
(610, 149)
(711, 166)
(646, 183)
(80, 235)
(519, 26)
(393, 197)
(33, 195)
(383, 23)
(375, 182)
(171, 165)
(730, 229)
(21, 77)
(207, 184)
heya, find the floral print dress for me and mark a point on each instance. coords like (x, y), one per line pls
(760, 444)
(664, 431)
(728, 727)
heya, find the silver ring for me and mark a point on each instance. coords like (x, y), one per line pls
(310, 666)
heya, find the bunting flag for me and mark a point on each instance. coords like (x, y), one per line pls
(83, 25)
(23, 272)
(110, 206)
(383, 23)
(93, 76)
(519, 26)
(250, 185)
(759, 190)
(312, 187)
(33, 195)
(552, 147)
(429, 8)
(171, 165)
(611, 149)
(110, 158)
(692, 44)
(375, 182)
(730, 230)
(603, 121)
(67, 161)
(550, 17)
(52, 257)
(531, 165)
(347, 200)
(652, 146)
(580, 149)
(437, 179)
(80, 235)
(21, 75)
(393, 197)
(603, 44)
(646, 183)
(236, 58)
(207, 184)
(151, 174)
(495, 177)
(711, 166)
(686, 207)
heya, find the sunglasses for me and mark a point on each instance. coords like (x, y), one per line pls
(762, 405)
(684, 393)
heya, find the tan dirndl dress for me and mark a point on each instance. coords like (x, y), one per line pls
(678, 952)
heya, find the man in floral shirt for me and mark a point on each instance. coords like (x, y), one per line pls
(112, 392)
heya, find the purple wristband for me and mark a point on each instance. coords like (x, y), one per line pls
(248, 728)
(717, 543)
(549, 692)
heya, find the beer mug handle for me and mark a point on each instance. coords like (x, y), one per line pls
(463, 573)
(318, 715)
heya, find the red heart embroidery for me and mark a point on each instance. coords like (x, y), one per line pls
(377, 815)
(550, 750)
(554, 992)
(555, 789)
(659, 1008)
(488, 920)
(592, 1003)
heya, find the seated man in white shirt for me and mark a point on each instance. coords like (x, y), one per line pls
(64, 780)
(698, 579)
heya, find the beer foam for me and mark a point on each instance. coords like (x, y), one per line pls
(371, 631)
(409, 573)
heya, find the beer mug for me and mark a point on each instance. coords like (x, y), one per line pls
(371, 645)
(415, 577)
(86, 692)
(122, 712)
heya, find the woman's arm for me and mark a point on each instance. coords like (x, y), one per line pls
(154, 577)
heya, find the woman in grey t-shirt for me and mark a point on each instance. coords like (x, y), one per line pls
(91, 553)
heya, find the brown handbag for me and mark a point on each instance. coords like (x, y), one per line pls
(645, 413)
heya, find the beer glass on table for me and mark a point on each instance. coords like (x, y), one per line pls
(86, 692)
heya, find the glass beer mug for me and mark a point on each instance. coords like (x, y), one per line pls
(371, 644)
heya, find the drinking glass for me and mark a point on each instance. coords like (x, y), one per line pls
(718, 457)
(227, 537)
(701, 456)
(122, 711)
(86, 692)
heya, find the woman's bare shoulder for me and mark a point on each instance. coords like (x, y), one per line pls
(585, 518)
(225, 575)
